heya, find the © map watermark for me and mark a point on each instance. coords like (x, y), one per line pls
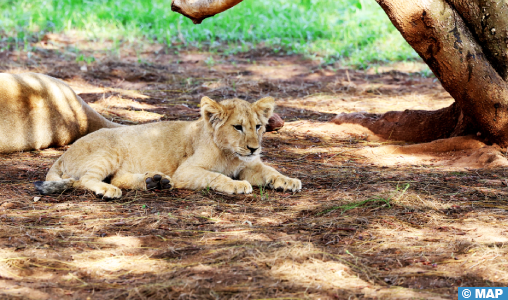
(470, 293)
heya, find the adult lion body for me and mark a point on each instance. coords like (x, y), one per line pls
(224, 143)
(38, 111)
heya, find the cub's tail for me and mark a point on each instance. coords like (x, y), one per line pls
(54, 187)
(54, 183)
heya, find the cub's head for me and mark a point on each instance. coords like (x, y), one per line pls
(237, 125)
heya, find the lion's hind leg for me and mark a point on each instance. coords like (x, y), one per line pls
(93, 177)
(146, 181)
(100, 188)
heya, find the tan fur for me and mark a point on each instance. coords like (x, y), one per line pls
(38, 111)
(195, 155)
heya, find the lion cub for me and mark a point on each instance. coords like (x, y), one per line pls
(224, 143)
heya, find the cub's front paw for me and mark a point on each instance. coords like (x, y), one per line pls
(107, 192)
(157, 181)
(285, 183)
(235, 187)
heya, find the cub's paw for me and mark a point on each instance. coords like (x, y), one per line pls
(108, 192)
(236, 187)
(157, 181)
(285, 183)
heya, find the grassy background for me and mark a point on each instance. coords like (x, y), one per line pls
(356, 32)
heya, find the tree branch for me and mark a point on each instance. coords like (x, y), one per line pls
(198, 10)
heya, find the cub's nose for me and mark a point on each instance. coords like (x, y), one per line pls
(252, 150)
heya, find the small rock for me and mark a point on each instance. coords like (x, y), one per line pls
(274, 123)
(37, 199)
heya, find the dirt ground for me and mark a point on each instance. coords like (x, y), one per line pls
(375, 220)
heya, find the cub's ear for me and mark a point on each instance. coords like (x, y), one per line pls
(212, 111)
(264, 108)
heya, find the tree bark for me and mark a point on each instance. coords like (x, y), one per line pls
(488, 21)
(198, 10)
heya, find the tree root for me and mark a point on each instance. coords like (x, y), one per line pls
(418, 126)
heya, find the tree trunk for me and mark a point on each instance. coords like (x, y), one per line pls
(198, 10)
(442, 38)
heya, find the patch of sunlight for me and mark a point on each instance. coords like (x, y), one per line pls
(302, 264)
(134, 116)
(50, 152)
(327, 132)
(367, 102)
(402, 66)
(122, 241)
(18, 291)
(456, 153)
(119, 102)
(282, 72)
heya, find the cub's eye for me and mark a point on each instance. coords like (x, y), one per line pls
(238, 127)
(258, 126)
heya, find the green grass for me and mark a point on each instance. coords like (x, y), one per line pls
(353, 31)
